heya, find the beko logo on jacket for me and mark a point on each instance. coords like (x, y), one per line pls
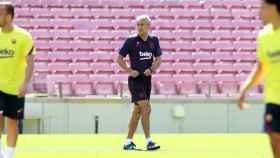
(7, 53)
(145, 55)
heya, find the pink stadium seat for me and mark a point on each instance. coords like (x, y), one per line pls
(243, 67)
(168, 58)
(103, 84)
(223, 35)
(203, 46)
(187, 88)
(215, 4)
(59, 68)
(102, 46)
(42, 69)
(165, 35)
(101, 68)
(60, 12)
(162, 14)
(183, 14)
(24, 13)
(62, 24)
(81, 84)
(203, 35)
(166, 68)
(82, 46)
(82, 13)
(42, 57)
(61, 35)
(183, 78)
(224, 46)
(92, 3)
(221, 14)
(243, 14)
(184, 68)
(184, 57)
(61, 57)
(31, 3)
(80, 68)
(81, 57)
(53, 88)
(203, 24)
(103, 35)
(61, 46)
(223, 24)
(204, 57)
(192, 4)
(203, 77)
(201, 13)
(41, 35)
(119, 77)
(164, 25)
(207, 89)
(102, 88)
(104, 57)
(83, 24)
(42, 13)
(167, 46)
(223, 67)
(231, 89)
(182, 34)
(166, 88)
(42, 24)
(202, 66)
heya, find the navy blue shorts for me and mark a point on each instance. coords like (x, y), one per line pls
(140, 88)
(11, 106)
(272, 118)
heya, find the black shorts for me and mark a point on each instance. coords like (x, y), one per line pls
(272, 118)
(140, 88)
(11, 106)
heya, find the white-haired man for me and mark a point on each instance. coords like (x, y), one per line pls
(144, 54)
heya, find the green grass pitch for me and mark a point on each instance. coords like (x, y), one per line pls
(173, 146)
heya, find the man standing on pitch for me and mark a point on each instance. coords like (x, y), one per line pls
(16, 68)
(268, 68)
(144, 54)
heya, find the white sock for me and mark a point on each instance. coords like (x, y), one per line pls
(1, 150)
(149, 140)
(128, 141)
(10, 152)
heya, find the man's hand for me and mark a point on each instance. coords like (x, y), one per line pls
(22, 91)
(241, 101)
(148, 72)
(133, 73)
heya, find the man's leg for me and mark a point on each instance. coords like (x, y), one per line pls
(1, 131)
(1, 125)
(275, 143)
(12, 137)
(145, 116)
(133, 123)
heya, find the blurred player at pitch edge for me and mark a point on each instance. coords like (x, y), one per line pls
(144, 53)
(268, 68)
(16, 68)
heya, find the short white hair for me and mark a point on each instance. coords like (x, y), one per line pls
(145, 18)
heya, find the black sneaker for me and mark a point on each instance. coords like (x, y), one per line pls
(152, 146)
(130, 146)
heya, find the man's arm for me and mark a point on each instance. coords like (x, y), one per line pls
(156, 64)
(123, 65)
(253, 80)
(28, 75)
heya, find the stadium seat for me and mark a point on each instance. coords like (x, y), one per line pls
(204, 44)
